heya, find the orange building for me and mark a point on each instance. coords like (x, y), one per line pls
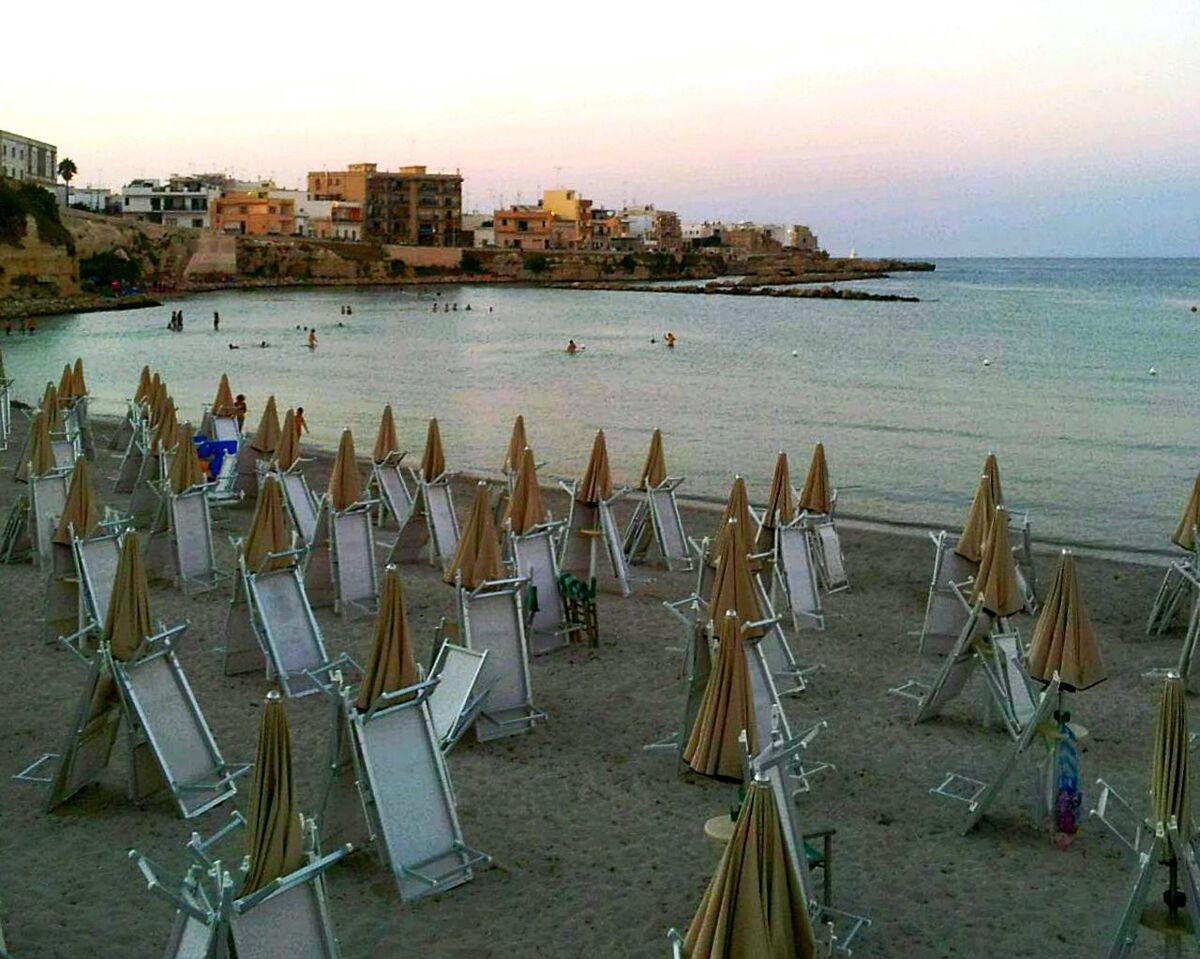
(253, 214)
(524, 228)
(349, 185)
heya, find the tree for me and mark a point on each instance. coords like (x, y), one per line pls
(67, 170)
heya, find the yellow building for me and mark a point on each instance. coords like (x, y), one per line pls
(570, 206)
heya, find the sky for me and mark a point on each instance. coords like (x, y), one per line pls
(1049, 128)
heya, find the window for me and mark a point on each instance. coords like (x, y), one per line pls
(197, 223)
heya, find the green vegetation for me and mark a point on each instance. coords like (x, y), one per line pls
(21, 200)
(397, 269)
(628, 263)
(100, 269)
(470, 262)
(661, 264)
(537, 263)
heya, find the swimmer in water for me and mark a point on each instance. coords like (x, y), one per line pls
(572, 349)
(312, 339)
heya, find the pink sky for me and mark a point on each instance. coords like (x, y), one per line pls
(936, 128)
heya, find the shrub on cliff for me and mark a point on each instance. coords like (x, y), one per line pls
(100, 269)
(21, 200)
(537, 263)
(470, 263)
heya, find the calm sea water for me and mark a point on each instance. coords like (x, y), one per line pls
(1095, 447)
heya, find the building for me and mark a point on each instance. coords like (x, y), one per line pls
(179, 202)
(343, 221)
(253, 213)
(749, 237)
(568, 206)
(479, 226)
(33, 161)
(97, 199)
(409, 206)
(652, 229)
(524, 227)
(803, 239)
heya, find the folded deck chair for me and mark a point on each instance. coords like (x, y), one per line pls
(47, 498)
(15, 543)
(456, 700)
(396, 501)
(535, 560)
(148, 488)
(795, 571)
(169, 743)
(96, 561)
(64, 453)
(191, 541)
(945, 611)
(827, 547)
(697, 666)
(1186, 663)
(404, 790)
(271, 624)
(979, 796)
(221, 429)
(656, 523)
(491, 619)
(789, 675)
(223, 491)
(590, 529)
(132, 463)
(127, 425)
(1179, 589)
(5, 412)
(301, 506)
(340, 566)
(440, 519)
(696, 603)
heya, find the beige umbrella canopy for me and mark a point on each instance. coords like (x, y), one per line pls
(50, 407)
(387, 447)
(754, 907)
(391, 665)
(288, 450)
(128, 621)
(712, 748)
(266, 437)
(524, 509)
(143, 387)
(733, 583)
(41, 453)
(780, 509)
(478, 553)
(596, 483)
(737, 507)
(1063, 642)
(78, 383)
(996, 581)
(80, 513)
(433, 463)
(979, 522)
(223, 404)
(654, 470)
(64, 385)
(517, 443)
(991, 475)
(1170, 779)
(1185, 532)
(268, 529)
(817, 496)
(2, 375)
(274, 833)
(166, 428)
(345, 485)
(186, 471)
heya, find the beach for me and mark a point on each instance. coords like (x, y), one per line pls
(599, 846)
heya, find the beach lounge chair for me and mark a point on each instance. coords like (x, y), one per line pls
(47, 498)
(795, 572)
(169, 743)
(590, 528)
(340, 566)
(440, 518)
(696, 603)
(945, 611)
(405, 792)
(656, 522)
(827, 547)
(396, 501)
(127, 425)
(776, 649)
(223, 491)
(132, 464)
(535, 560)
(1179, 589)
(64, 454)
(491, 620)
(455, 702)
(301, 506)
(979, 796)
(192, 542)
(5, 411)
(1186, 663)
(15, 543)
(697, 666)
(271, 625)
(96, 561)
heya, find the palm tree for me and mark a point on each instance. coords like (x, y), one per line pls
(67, 170)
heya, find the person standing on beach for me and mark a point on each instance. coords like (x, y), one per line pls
(312, 338)
(239, 410)
(300, 422)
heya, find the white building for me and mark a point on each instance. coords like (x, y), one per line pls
(698, 231)
(179, 202)
(30, 160)
(94, 198)
(481, 226)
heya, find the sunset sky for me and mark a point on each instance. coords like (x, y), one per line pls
(1048, 128)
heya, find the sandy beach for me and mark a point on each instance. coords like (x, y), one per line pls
(599, 846)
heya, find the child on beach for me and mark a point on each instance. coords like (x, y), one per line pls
(300, 422)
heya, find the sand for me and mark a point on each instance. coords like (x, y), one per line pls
(598, 845)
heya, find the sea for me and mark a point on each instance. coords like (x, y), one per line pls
(1081, 375)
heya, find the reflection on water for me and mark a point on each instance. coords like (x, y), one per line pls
(1087, 440)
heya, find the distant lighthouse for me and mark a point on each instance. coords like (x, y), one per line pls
(853, 253)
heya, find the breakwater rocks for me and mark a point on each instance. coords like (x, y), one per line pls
(737, 289)
(16, 307)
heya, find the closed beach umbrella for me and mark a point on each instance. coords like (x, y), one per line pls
(991, 474)
(525, 506)
(596, 484)
(50, 407)
(996, 581)
(517, 443)
(274, 833)
(391, 665)
(166, 428)
(79, 513)
(266, 437)
(1185, 532)
(737, 507)
(817, 497)
(433, 462)
(2, 374)
(268, 529)
(754, 905)
(780, 509)
(1063, 641)
(128, 621)
(654, 470)
(733, 582)
(979, 522)
(223, 402)
(64, 385)
(143, 387)
(41, 453)
(186, 471)
(78, 383)
(288, 450)
(154, 393)
(386, 444)
(712, 748)
(1170, 778)
(345, 485)
(478, 553)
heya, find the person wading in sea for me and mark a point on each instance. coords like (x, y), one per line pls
(312, 338)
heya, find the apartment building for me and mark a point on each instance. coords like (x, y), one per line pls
(178, 201)
(409, 206)
(23, 158)
(253, 213)
(524, 227)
